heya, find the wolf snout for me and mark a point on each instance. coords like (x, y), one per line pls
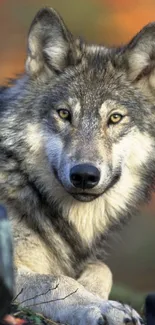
(84, 176)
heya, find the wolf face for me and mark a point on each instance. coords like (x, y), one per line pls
(94, 110)
(81, 120)
(93, 133)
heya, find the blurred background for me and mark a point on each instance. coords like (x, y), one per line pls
(131, 254)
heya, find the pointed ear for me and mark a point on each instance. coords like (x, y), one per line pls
(51, 47)
(140, 55)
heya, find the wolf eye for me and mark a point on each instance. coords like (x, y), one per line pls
(115, 118)
(64, 114)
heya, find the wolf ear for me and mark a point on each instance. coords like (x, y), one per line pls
(140, 54)
(51, 47)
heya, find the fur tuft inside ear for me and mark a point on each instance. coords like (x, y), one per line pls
(140, 54)
(51, 47)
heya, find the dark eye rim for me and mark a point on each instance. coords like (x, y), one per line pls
(114, 123)
(68, 118)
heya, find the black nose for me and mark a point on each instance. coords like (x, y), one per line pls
(84, 176)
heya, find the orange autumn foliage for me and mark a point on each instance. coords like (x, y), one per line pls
(125, 18)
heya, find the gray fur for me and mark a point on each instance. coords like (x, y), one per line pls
(58, 230)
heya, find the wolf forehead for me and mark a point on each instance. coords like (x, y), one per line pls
(62, 70)
(92, 90)
(97, 78)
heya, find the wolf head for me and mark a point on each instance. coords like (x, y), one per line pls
(88, 115)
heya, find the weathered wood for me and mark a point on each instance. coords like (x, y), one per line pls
(150, 309)
(6, 263)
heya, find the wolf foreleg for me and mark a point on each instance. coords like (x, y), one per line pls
(97, 278)
(65, 300)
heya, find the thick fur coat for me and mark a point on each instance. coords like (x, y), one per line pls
(77, 107)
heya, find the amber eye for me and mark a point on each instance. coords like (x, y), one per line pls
(115, 118)
(64, 114)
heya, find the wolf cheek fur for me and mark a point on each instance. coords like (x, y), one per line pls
(77, 154)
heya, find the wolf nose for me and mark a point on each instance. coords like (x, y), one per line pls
(84, 176)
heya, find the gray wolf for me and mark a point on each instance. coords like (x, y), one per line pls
(77, 155)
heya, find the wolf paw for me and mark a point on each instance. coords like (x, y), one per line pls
(119, 314)
(110, 313)
(91, 316)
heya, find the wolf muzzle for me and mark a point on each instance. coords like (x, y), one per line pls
(84, 176)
